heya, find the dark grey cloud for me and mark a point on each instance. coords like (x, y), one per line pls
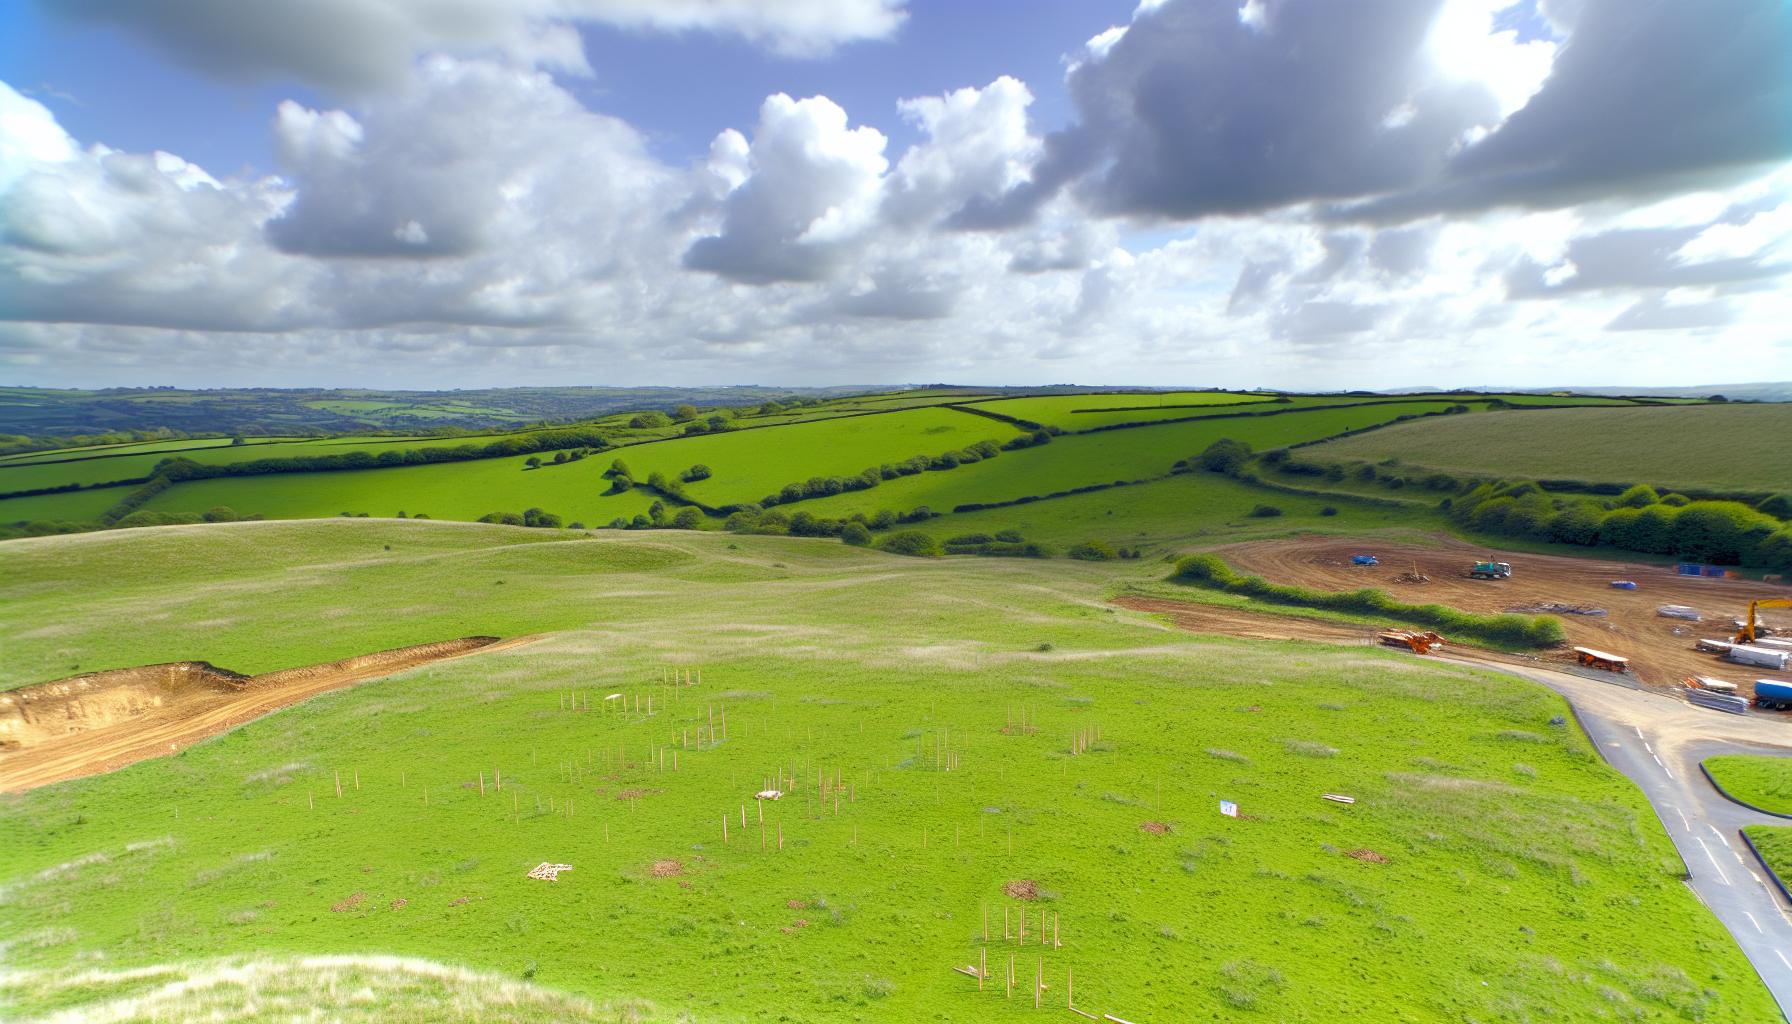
(1634, 258)
(1321, 319)
(1252, 286)
(1645, 97)
(1656, 314)
(1402, 251)
(360, 46)
(1196, 112)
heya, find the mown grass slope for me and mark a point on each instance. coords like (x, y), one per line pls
(1492, 868)
(1081, 460)
(1763, 782)
(1705, 446)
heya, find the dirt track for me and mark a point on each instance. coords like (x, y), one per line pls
(99, 722)
(1630, 627)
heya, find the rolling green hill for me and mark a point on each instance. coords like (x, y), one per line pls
(1101, 474)
(982, 727)
(1740, 446)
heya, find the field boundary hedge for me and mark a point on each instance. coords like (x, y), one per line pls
(1508, 630)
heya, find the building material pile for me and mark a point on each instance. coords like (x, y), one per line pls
(547, 872)
(1679, 611)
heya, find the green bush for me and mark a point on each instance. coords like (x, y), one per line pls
(856, 534)
(1092, 551)
(1265, 512)
(1223, 456)
(1211, 571)
(911, 542)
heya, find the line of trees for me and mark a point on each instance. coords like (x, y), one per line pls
(1639, 519)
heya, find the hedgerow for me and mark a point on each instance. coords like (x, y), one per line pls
(1212, 572)
(1723, 532)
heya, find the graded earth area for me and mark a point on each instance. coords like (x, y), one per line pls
(1629, 624)
(958, 746)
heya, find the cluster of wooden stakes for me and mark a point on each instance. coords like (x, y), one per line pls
(1046, 932)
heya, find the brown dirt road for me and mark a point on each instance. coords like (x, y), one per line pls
(1659, 655)
(99, 722)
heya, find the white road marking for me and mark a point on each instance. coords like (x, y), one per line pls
(1719, 835)
(1647, 747)
(1757, 924)
(1783, 959)
(1708, 856)
(1639, 731)
(1683, 820)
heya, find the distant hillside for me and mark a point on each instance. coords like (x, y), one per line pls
(1759, 391)
(311, 411)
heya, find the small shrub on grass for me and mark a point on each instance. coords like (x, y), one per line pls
(856, 534)
(1265, 512)
(1092, 551)
(911, 542)
(1328, 510)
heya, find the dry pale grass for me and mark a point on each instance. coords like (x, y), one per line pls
(345, 989)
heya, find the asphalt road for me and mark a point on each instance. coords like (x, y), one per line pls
(1658, 742)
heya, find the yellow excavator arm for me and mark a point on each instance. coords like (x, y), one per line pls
(1747, 636)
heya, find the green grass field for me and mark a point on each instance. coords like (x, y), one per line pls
(747, 465)
(880, 672)
(1775, 844)
(1704, 446)
(1761, 782)
(1104, 457)
(1080, 412)
(107, 466)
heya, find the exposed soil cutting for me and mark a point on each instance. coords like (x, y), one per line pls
(101, 721)
(1660, 649)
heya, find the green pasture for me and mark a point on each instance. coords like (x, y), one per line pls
(1079, 460)
(747, 465)
(1186, 509)
(132, 448)
(62, 507)
(105, 467)
(1760, 782)
(983, 722)
(1698, 446)
(1080, 412)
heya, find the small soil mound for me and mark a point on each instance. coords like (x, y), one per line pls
(349, 904)
(1156, 828)
(797, 904)
(666, 868)
(1367, 856)
(1024, 889)
(400, 903)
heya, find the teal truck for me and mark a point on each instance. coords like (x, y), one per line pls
(1491, 571)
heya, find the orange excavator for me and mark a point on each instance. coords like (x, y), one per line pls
(1747, 636)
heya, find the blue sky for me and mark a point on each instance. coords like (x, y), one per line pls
(1229, 192)
(681, 88)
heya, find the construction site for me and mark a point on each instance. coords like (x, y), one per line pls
(1655, 624)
